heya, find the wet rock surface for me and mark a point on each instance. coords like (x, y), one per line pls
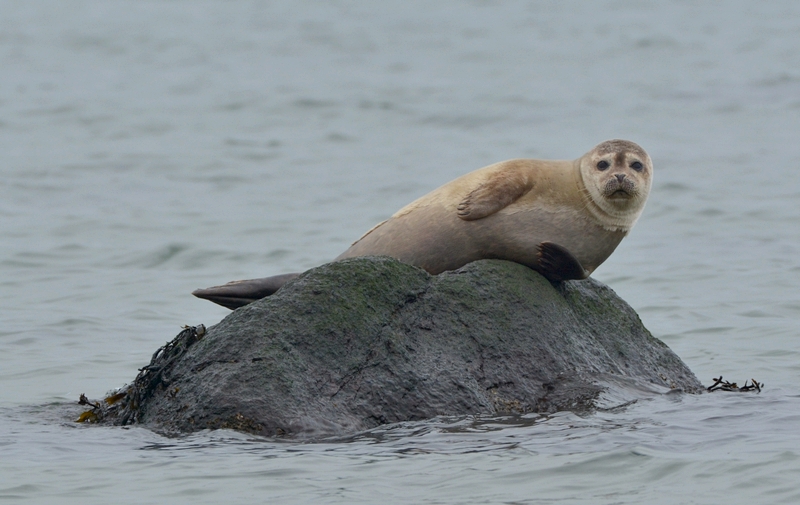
(358, 343)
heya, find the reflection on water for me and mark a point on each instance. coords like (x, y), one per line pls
(149, 149)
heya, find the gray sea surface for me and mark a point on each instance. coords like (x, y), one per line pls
(149, 148)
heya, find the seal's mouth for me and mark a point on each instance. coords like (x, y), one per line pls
(619, 190)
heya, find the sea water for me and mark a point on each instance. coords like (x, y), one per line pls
(150, 148)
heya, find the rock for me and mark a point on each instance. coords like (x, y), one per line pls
(359, 343)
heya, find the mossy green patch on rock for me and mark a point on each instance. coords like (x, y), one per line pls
(367, 341)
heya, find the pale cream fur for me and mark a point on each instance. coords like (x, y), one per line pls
(532, 201)
(554, 182)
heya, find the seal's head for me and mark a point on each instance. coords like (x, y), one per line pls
(616, 175)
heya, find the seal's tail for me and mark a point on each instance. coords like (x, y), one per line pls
(237, 294)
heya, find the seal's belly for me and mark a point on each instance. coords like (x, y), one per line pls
(516, 236)
(435, 239)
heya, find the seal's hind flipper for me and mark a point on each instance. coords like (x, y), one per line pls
(558, 264)
(237, 294)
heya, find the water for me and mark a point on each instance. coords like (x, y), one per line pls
(150, 148)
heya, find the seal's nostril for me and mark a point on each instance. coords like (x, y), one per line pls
(620, 177)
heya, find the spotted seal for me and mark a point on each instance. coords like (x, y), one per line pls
(561, 218)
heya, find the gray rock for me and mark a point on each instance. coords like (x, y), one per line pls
(359, 343)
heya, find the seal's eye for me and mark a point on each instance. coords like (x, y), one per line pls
(603, 164)
(637, 166)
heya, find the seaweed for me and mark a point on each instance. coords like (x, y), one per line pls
(124, 405)
(723, 385)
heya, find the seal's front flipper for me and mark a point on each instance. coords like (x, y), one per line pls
(499, 190)
(558, 264)
(237, 294)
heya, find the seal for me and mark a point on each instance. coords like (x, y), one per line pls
(561, 218)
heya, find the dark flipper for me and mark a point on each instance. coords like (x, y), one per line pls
(239, 293)
(558, 264)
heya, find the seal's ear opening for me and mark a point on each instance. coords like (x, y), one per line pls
(237, 294)
(557, 264)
